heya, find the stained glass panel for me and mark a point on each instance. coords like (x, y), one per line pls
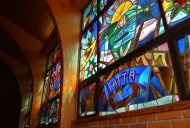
(55, 54)
(87, 100)
(51, 89)
(50, 61)
(47, 84)
(176, 11)
(143, 82)
(89, 13)
(53, 111)
(88, 60)
(126, 25)
(55, 81)
(103, 3)
(50, 112)
(184, 50)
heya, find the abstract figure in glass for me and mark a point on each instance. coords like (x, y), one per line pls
(126, 25)
(143, 82)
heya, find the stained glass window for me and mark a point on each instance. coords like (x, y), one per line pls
(87, 102)
(127, 25)
(176, 10)
(89, 13)
(51, 89)
(88, 61)
(184, 50)
(128, 55)
(143, 82)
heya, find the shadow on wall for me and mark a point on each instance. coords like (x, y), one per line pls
(10, 98)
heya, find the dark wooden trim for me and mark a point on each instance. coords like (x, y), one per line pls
(178, 69)
(162, 13)
(158, 109)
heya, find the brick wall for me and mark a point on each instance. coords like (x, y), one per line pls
(171, 119)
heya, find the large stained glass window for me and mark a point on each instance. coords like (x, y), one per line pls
(51, 89)
(128, 56)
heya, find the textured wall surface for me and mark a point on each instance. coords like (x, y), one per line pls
(172, 119)
(67, 24)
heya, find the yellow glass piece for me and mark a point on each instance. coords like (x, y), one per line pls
(86, 21)
(166, 5)
(159, 59)
(121, 10)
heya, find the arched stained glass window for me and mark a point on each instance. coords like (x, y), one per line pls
(51, 90)
(131, 58)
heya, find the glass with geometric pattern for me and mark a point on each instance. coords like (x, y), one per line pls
(89, 13)
(88, 53)
(176, 11)
(184, 51)
(143, 82)
(87, 100)
(125, 26)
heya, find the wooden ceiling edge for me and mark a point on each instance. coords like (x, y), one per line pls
(4, 55)
(46, 44)
(9, 26)
(50, 43)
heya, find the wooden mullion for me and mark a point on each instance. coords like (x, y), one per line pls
(98, 61)
(96, 18)
(178, 69)
(162, 13)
